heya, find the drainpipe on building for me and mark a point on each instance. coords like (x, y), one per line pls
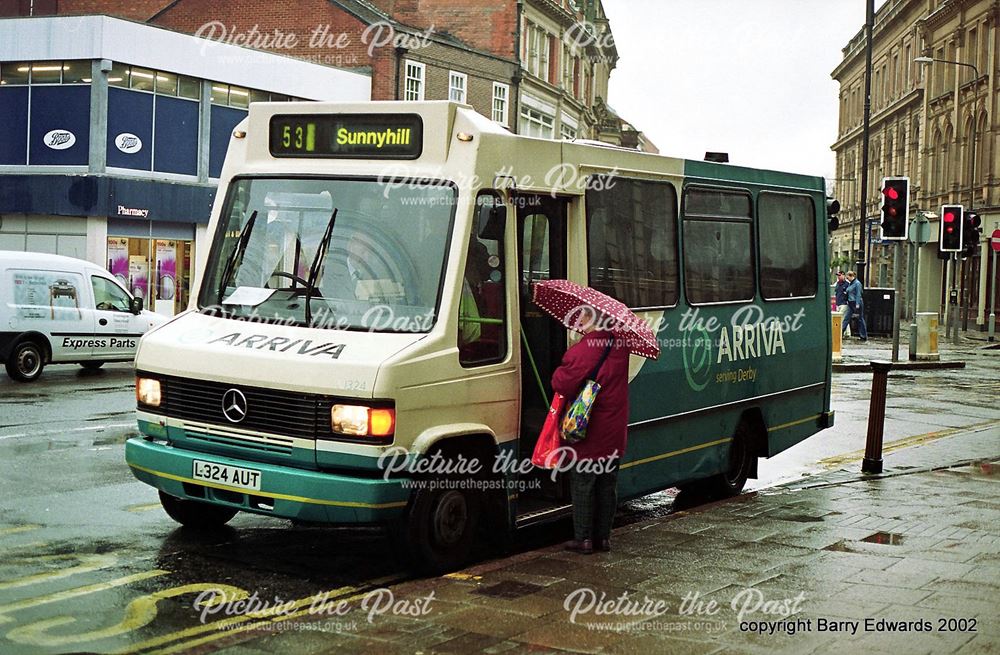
(400, 54)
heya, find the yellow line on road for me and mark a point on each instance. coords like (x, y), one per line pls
(78, 591)
(17, 528)
(88, 562)
(906, 442)
(143, 508)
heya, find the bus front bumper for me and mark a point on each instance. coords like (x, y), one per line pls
(284, 492)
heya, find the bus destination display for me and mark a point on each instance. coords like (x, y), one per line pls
(357, 136)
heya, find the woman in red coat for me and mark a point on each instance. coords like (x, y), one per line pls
(594, 474)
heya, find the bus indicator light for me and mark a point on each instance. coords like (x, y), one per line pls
(952, 219)
(895, 208)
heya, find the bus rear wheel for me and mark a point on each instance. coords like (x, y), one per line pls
(440, 529)
(192, 514)
(730, 482)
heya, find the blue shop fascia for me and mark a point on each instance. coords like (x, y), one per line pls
(114, 134)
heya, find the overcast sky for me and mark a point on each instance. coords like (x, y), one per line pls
(747, 77)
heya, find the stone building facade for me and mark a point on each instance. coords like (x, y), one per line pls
(923, 118)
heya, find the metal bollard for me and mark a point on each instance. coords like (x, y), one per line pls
(872, 462)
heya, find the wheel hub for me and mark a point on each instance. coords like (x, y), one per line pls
(450, 518)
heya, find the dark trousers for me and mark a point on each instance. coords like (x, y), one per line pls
(595, 499)
(855, 313)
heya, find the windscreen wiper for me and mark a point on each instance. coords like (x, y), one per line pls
(321, 249)
(241, 246)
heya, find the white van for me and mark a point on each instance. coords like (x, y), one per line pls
(61, 310)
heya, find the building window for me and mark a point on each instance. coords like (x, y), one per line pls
(535, 123)
(45, 72)
(500, 94)
(457, 84)
(414, 82)
(567, 132)
(539, 52)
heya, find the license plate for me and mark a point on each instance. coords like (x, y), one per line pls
(234, 476)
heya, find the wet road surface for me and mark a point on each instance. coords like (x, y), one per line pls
(90, 563)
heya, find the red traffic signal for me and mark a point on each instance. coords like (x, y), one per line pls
(895, 208)
(952, 224)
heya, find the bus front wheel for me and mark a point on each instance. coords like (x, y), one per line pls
(440, 530)
(193, 514)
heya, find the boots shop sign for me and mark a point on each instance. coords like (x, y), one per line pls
(128, 143)
(59, 139)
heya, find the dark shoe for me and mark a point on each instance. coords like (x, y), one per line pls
(585, 547)
(862, 339)
(604, 545)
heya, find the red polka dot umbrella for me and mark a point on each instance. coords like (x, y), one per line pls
(577, 306)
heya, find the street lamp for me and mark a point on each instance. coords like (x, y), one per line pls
(972, 148)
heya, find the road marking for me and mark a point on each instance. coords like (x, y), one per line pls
(143, 508)
(87, 563)
(906, 442)
(73, 593)
(139, 613)
(17, 528)
(94, 428)
(225, 627)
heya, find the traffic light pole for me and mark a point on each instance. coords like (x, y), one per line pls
(897, 305)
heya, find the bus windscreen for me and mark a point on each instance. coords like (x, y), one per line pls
(354, 136)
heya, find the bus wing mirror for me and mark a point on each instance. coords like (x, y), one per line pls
(493, 219)
(135, 306)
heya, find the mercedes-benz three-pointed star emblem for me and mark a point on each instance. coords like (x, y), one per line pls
(234, 405)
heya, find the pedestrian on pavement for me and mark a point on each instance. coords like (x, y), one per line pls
(855, 305)
(840, 299)
(594, 475)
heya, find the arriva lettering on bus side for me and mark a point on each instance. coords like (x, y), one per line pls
(362, 348)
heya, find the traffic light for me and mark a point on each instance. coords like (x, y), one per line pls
(895, 208)
(972, 229)
(832, 209)
(952, 222)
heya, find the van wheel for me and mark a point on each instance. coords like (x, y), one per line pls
(193, 514)
(91, 366)
(730, 482)
(440, 529)
(26, 362)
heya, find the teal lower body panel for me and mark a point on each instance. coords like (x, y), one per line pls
(285, 492)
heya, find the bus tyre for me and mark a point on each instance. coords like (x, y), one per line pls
(440, 530)
(731, 482)
(26, 362)
(91, 366)
(193, 514)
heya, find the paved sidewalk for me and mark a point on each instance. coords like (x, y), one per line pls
(905, 562)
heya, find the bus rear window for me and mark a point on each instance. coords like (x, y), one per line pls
(718, 246)
(632, 240)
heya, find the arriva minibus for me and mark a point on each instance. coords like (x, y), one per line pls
(364, 312)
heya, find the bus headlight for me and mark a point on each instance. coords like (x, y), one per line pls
(361, 421)
(147, 392)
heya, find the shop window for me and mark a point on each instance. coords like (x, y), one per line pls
(46, 72)
(14, 73)
(76, 72)
(189, 87)
(166, 83)
(239, 97)
(118, 75)
(259, 96)
(220, 94)
(142, 79)
(279, 97)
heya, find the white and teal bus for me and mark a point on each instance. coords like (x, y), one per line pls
(366, 297)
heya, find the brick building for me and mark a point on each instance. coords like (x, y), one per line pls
(922, 117)
(539, 67)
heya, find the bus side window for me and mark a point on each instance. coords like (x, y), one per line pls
(787, 243)
(482, 324)
(718, 246)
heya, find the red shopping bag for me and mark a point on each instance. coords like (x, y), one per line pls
(548, 438)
